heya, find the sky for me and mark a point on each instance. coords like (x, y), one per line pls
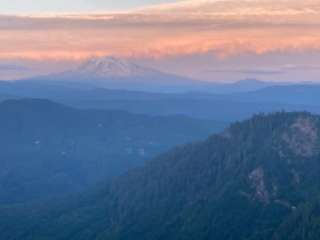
(60, 6)
(214, 40)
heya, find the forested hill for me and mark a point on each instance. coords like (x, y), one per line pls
(48, 149)
(258, 180)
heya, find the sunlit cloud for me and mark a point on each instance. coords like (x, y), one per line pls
(223, 28)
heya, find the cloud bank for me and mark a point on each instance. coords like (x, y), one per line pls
(224, 28)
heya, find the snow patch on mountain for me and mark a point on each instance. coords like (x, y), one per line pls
(113, 67)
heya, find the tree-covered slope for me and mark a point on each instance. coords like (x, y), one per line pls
(47, 149)
(252, 182)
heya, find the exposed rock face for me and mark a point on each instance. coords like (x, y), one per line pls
(256, 178)
(303, 137)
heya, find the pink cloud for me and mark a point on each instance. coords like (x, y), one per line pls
(225, 28)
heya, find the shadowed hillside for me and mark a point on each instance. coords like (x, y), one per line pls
(48, 149)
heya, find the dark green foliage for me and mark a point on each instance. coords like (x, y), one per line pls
(304, 224)
(254, 181)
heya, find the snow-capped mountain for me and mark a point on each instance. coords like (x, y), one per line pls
(114, 67)
(115, 73)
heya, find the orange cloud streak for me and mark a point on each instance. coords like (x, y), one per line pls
(224, 28)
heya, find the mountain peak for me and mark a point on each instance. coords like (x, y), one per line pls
(113, 67)
(294, 133)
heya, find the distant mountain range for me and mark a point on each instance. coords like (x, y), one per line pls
(222, 107)
(86, 87)
(115, 73)
(257, 180)
(292, 94)
(48, 149)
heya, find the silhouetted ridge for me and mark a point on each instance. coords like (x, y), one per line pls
(26, 104)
